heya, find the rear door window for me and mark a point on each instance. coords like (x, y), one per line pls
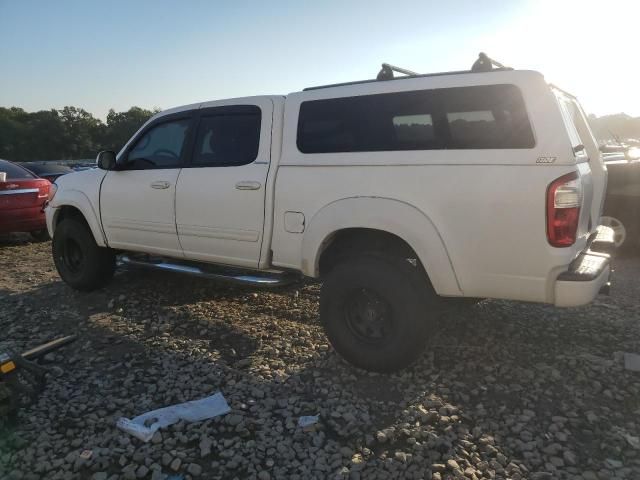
(228, 139)
(480, 117)
(15, 172)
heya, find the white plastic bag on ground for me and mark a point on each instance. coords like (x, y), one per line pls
(145, 425)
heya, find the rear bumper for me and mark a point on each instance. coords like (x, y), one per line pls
(28, 220)
(588, 274)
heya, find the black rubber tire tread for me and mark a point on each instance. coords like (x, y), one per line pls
(40, 235)
(99, 263)
(399, 283)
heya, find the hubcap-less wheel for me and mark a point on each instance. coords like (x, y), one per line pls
(72, 255)
(368, 316)
(619, 232)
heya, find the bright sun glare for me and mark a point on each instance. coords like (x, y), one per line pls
(587, 47)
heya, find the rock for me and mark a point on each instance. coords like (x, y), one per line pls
(264, 475)
(175, 464)
(205, 446)
(158, 475)
(100, 476)
(557, 462)
(233, 420)
(569, 457)
(194, 469)
(346, 452)
(142, 471)
(453, 465)
(552, 449)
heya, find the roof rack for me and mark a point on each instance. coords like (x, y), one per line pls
(483, 64)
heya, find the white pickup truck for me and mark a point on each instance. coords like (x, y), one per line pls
(396, 193)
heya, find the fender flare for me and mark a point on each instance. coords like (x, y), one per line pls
(79, 200)
(389, 215)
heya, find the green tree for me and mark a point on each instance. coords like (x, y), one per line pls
(67, 134)
(122, 125)
(81, 132)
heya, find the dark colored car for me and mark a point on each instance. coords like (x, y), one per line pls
(622, 203)
(50, 171)
(22, 199)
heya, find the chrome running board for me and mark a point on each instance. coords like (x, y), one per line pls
(211, 272)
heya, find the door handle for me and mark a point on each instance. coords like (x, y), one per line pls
(248, 185)
(160, 184)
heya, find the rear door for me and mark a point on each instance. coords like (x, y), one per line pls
(585, 144)
(220, 197)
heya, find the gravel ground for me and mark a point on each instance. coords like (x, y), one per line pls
(506, 390)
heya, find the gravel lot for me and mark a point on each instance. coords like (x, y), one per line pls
(506, 390)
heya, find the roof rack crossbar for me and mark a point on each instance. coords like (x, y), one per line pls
(386, 73)
(483, 64)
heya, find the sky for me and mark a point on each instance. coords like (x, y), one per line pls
(116, 54)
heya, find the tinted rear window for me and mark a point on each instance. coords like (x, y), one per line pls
(228, 139)
(481, 117)
(15, 172)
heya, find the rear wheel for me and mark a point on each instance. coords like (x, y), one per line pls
(80, 262)
(374, 311)
(40, 235)
(619, 230)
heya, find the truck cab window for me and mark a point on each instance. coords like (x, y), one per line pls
(227, 139)
(160, 147)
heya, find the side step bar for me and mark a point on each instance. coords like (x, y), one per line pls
(211, 272)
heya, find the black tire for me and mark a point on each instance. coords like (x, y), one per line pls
(40, 235)
(393, 298)
(81, 263)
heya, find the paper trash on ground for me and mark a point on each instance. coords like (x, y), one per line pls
(307, 421)
(145, 425)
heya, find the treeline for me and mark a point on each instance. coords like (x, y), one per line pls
(620, 126)
(67, 134)
(73, 133)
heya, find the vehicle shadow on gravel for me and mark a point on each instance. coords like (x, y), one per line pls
(513, 379)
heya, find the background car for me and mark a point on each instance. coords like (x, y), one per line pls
(622, 203)
(22, 198)
(47, 170)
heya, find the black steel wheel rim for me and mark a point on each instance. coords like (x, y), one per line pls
(72, 256)
(369, 316)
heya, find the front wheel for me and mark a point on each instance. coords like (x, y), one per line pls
(81, 263)
(374, 312)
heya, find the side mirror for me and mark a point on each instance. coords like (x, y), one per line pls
(106, 160)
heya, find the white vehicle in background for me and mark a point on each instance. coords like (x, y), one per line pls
(401, 194)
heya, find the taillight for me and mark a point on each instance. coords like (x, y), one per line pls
(564, 198)
(43, 191)
(53, 188)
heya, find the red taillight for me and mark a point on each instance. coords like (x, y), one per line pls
(564, 198)
(43, 190)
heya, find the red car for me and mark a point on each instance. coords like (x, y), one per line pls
(22, 199)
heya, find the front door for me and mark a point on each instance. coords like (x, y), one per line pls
(137, 201)
(221, 192)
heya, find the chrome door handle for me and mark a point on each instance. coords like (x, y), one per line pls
(160, 184)
(247, 185)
